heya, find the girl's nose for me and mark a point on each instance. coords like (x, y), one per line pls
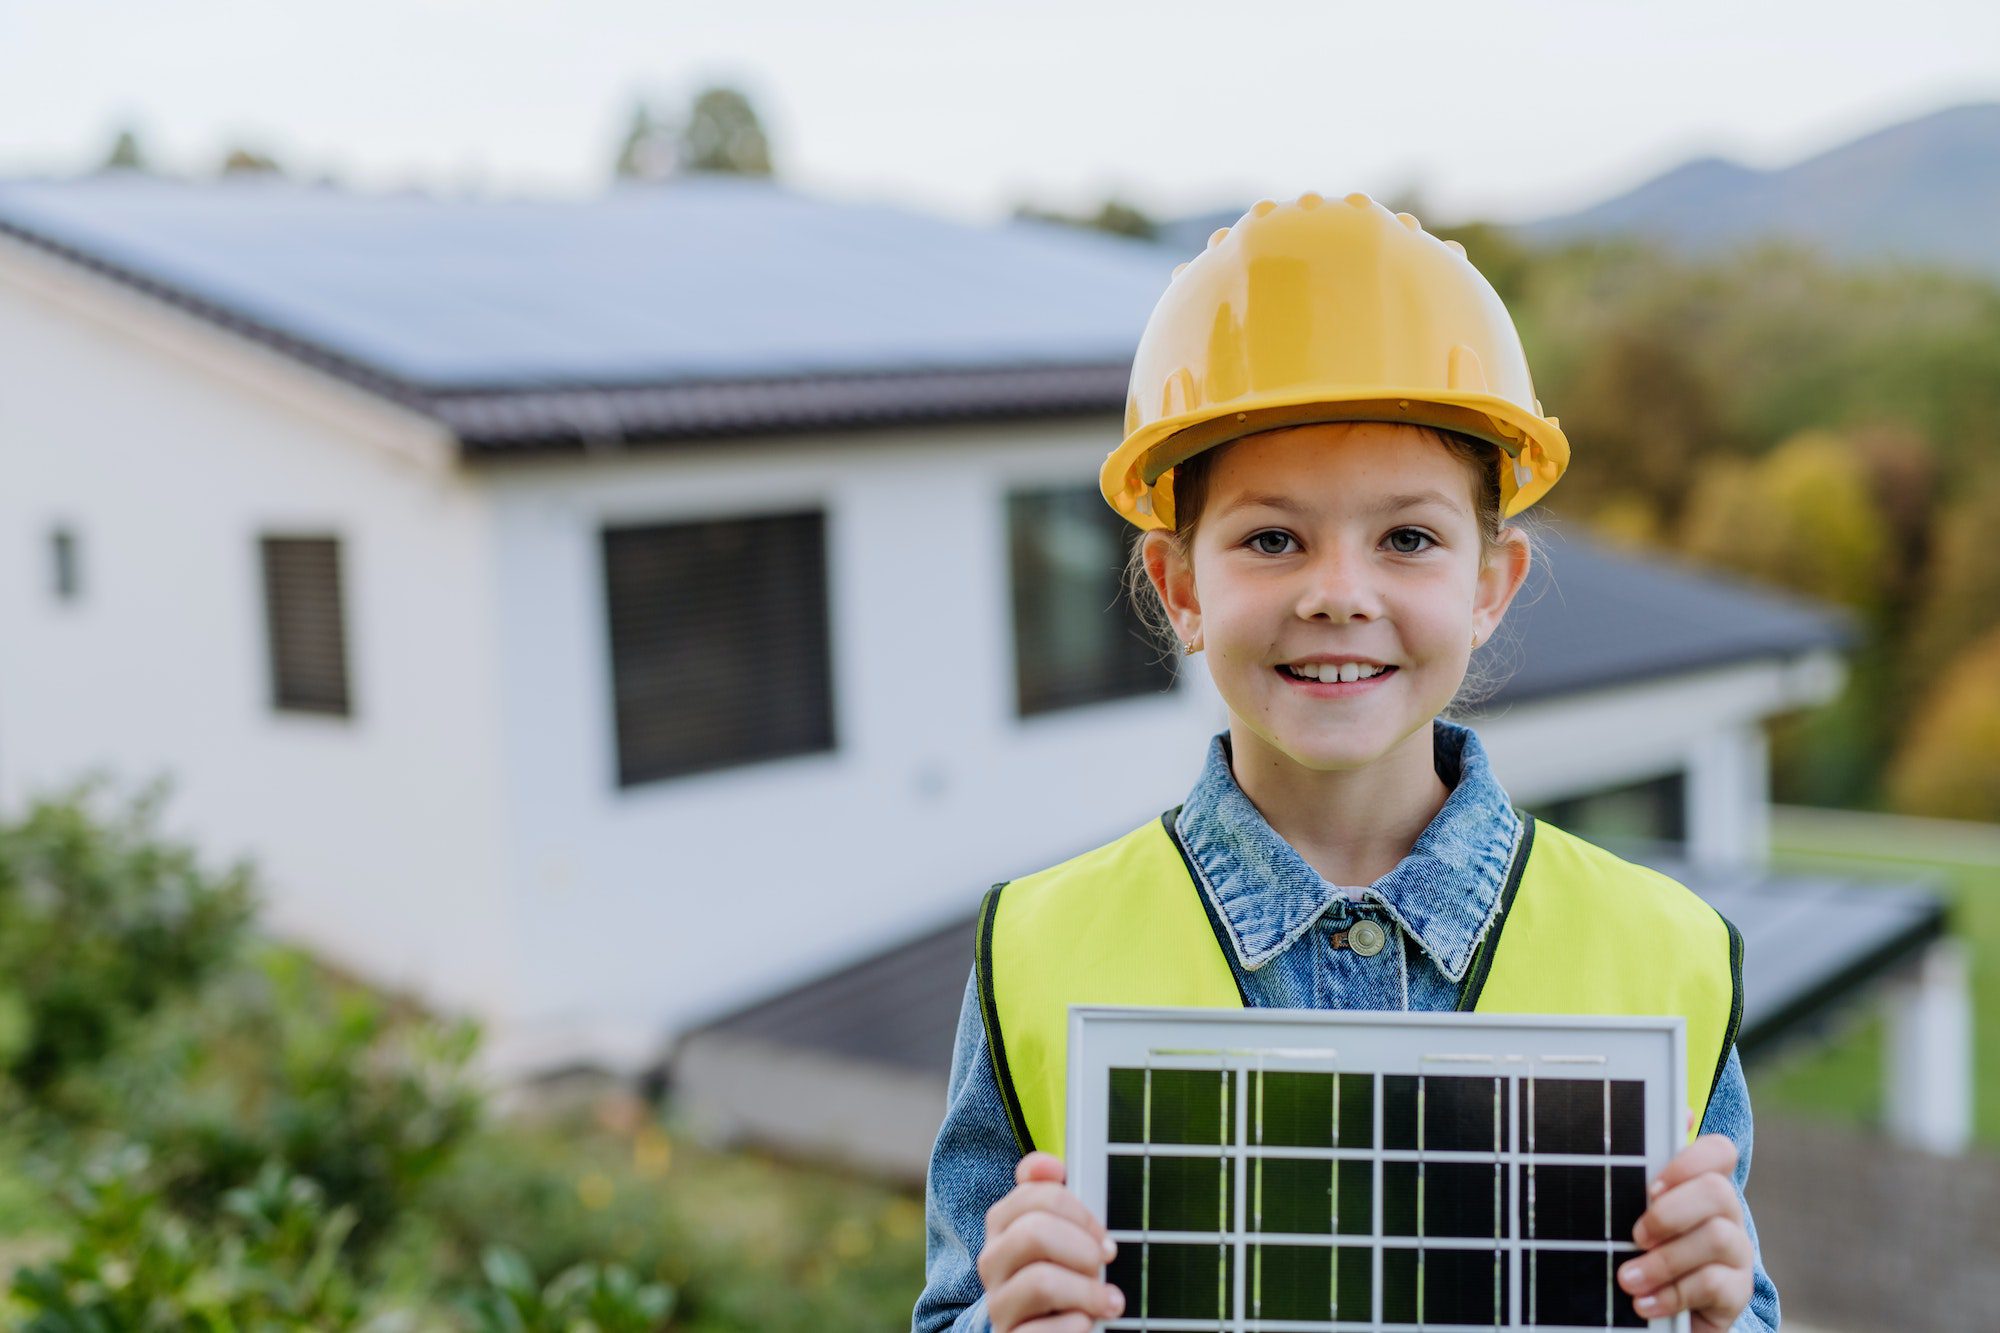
(1338, 587)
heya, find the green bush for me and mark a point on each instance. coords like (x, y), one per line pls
(271, 1262)
(583, 1299)
(277, 1063)
(101, 920)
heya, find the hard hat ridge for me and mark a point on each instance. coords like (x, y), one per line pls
(1315, 311)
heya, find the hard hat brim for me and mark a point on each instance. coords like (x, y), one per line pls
(1136, 481)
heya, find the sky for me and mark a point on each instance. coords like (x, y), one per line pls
(1506, 109)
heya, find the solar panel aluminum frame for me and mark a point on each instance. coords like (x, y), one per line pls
(1376, 1043)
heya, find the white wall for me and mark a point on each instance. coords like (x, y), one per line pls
(656, 905)
(169, 447)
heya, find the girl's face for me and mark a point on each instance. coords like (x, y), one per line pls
(1348, 544)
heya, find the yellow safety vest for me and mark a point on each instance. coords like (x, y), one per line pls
(1580, 931)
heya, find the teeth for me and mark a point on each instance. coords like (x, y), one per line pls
(1328, 672)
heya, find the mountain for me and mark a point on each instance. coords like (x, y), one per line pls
(1927, 190)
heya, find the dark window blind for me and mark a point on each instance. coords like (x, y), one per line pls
(1077, 639)
(719, 643)
(64, 564)
(305, 624)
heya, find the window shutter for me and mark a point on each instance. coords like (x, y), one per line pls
(306, 625)
(719, 643)
(64, 564)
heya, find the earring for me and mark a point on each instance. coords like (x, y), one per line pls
(1475, 640)
(1188, 648)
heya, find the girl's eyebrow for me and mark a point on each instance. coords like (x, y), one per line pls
(1388, 504)
(1283, 502)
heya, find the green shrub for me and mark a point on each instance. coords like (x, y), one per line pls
(101, 920)
(276, 1063)
(271, 1262)
(582, 1299)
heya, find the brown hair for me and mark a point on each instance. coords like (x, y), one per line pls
(1481, 460)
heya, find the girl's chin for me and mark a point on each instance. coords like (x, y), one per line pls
(1342, 751)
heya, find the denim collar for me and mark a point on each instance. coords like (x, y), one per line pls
(1444, 894)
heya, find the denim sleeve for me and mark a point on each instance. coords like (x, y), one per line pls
(1729, 1113)
(971, 1168)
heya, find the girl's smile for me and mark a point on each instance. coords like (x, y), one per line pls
(1329, 677)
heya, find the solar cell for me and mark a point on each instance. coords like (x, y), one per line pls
(1306, 1170)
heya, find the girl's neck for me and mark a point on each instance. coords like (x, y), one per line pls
(1352, 826)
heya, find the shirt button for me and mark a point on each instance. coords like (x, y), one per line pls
(1366, 938)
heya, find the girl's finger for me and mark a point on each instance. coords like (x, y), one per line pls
(1043, 1288)
(1685, 1207)
(1073, 1322)
(1038, 1237)
(1716, 1241)
(1710, 1152)
(1041, 1197)
(1715, 1287)
(1039, 1165)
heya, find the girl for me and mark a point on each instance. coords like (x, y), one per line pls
(1331, 422)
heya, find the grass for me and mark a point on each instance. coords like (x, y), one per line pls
(1840, 1076)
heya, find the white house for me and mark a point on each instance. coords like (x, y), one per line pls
(600, 615)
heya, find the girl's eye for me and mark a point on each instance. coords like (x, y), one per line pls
(1260, 540)
(1418, 536)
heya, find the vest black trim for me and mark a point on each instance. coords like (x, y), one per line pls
(1482, 965)
(989, 1013)
(1735, 1009)
(1207, 907)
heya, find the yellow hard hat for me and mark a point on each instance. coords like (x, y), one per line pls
(1323, 310)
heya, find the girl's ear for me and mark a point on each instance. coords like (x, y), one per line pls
(1500, 577)
(1173, 579)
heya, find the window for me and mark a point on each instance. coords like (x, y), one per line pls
(1077, 639)
(306, 625)
(64, 569)
(719, 643)
(1651, 811)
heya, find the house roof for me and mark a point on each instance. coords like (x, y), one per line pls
(1590, 617)
(704, 306)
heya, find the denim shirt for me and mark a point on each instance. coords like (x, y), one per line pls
(1279, 913)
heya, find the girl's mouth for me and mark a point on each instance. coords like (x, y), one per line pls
(1333, 686)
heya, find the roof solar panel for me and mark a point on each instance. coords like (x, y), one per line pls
(1292, 1171)
(702, 278)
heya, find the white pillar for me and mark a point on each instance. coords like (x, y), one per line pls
(1928, 1063)
(1728, 798)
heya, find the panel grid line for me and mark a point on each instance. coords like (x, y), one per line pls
(1269, 1171)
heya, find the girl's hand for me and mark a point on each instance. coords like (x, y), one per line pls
(1699, 1255)
(1043, 1251)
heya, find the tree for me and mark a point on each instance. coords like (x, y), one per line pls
(240, 161)
(1949, 764)
(723, 134)
(1114, 216)
(649, 150)
(125, 153)
(1643, 412)
(1960, 596)
(1803, 517)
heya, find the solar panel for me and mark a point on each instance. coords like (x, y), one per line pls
(1298, 1170)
